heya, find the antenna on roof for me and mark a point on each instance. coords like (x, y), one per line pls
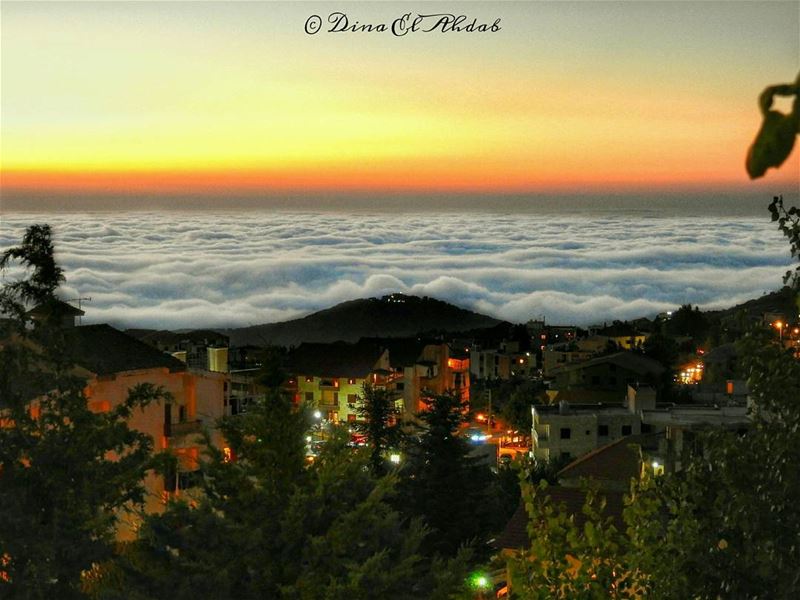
(80, 299)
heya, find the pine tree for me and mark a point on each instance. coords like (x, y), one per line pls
(268, 526)
(443, 484)
(378, 416)
(66, 473)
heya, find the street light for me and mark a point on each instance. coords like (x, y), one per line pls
(779, 325)
(480, 582)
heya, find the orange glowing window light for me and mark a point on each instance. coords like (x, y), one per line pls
(227, 454)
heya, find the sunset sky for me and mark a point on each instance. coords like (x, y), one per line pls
(217, 98)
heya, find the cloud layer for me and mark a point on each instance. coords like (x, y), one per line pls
(176, 270)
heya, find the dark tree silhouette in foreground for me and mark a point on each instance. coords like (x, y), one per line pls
(61, 493)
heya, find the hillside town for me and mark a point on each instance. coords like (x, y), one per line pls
(605, 403)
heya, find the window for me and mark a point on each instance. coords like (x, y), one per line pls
(595, 380)
(566, 455)
(336, 398)
(351, 381)
(544, 432)
(309, 397)
(167, 419)
(647, 428)
(602, 430)
(626, 430)
(98, 406)
(352, 399)
(400, 386)
(566, 433)
(309, 378)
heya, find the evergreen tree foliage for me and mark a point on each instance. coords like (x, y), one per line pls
(378, 424)
(445, 486)
(268, 526)
(66, 473)
(688, 321)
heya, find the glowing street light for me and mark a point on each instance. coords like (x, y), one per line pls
(317, 415)
(779, 326)
(480, 582)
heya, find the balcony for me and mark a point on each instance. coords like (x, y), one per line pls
(185, 428)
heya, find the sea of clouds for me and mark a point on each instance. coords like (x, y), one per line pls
(181, 270)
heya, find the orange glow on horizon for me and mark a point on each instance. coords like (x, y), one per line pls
(416, 177)
(194, 99)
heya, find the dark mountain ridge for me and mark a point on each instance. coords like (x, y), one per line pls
(396, 315)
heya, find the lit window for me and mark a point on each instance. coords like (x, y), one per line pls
(100, 406)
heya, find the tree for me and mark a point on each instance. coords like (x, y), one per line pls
(732, 526)
(66, 473)
(789, 225)
(378, 414)
(517, 409)
(662, 348)
(442, 484)
(727, 525)
(690, 322)
(566, 560)
(268, 525)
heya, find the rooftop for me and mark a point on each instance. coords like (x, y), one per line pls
(515, 534)
(338, 359)
(56, 306)
(631, 361)
(618, 461)
(104, 350)
(574, 409)
(403, 351)
(202, 336)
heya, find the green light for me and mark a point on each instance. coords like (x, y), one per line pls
(479, 581)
